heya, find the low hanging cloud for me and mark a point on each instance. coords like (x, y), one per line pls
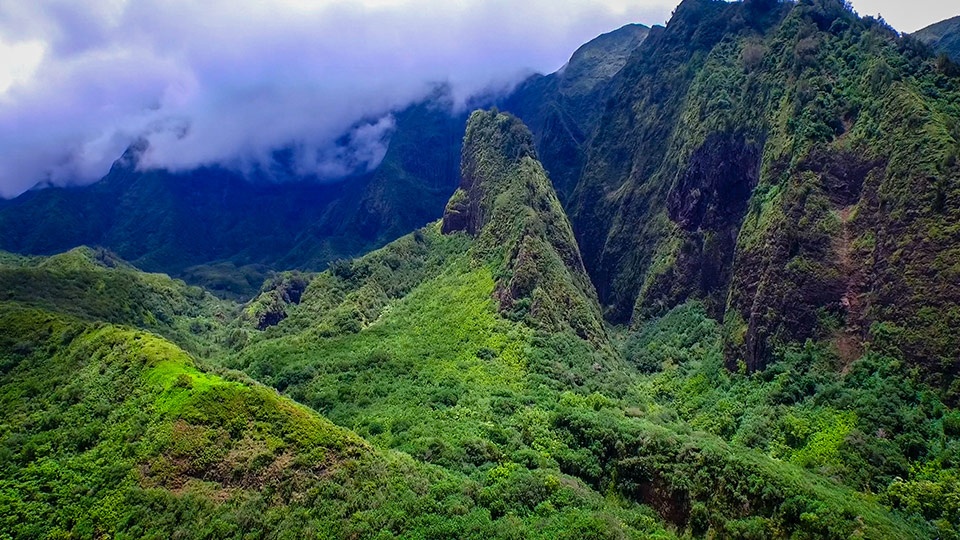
(229, 83)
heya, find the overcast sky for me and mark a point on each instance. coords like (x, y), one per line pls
(227, 81)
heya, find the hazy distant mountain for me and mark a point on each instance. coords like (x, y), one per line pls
(943, 36)
(216, 228)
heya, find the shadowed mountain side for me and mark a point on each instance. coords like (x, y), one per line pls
(562, 109)
(728, 167)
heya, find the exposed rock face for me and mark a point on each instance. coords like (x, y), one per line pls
(707, 203)
(711, 193)
(270, 307)
(842, 173)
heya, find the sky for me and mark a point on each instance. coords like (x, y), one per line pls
(228, 81)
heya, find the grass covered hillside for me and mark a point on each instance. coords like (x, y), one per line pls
(112, 432)
(95, 285)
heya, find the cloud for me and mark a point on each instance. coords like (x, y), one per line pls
(908, 16)
(228, 82)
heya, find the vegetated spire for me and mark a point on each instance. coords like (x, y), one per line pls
(507, 202)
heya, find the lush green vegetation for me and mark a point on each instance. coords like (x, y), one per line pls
(778, 226)
(873, 425)
(439, 376)
(434, 368)
(95, 285)
(792, 166)
(526, 436)
(116, 432)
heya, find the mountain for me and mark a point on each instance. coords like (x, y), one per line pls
(94, 285)
(119, 433)
(943, 37)
(727, 168)
(227, 232)
(217, 228)
(469, 345)
(562, 109)
(507, 202)
(463, 393)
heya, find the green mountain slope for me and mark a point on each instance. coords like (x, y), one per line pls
(790, 165)
(562, 109)
(507, 202)
(943, 37)
(117, 433)
(96, 286)
(766, 192)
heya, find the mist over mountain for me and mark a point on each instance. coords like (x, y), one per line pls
(226, 228)
(218, 85)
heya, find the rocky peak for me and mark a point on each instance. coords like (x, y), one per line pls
(507, 202)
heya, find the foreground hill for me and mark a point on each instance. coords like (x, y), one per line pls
(113, 432)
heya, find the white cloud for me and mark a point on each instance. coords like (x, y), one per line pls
(19, 62)
(226, 82)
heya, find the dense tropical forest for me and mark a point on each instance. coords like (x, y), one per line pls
(701, 283)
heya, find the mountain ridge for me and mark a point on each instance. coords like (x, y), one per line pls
(213, 226)
(743, 83)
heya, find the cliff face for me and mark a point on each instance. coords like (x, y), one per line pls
(791, 165)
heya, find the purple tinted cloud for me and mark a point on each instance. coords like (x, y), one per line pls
(228, 82)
